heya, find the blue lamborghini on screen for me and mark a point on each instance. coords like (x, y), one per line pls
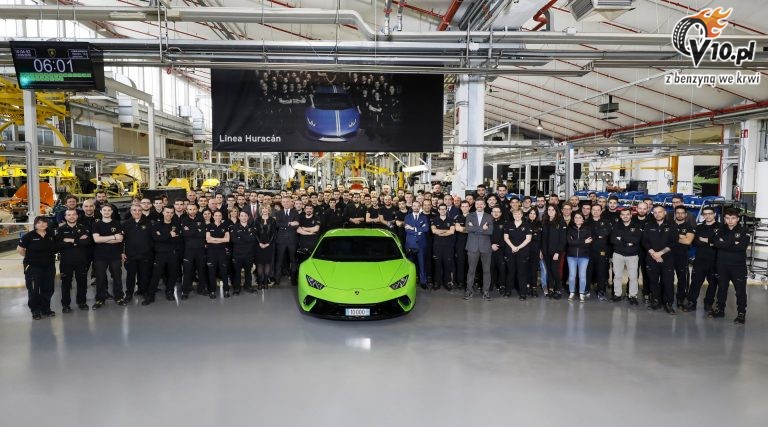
(332, 116)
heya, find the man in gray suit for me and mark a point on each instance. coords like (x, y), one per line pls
(478, 247)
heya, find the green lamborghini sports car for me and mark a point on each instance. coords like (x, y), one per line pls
(357, 274)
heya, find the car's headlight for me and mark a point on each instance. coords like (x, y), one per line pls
(311, 123)
(399, 284)
(314, 283)
(352, 123)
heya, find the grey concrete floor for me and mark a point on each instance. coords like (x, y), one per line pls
(253, 360)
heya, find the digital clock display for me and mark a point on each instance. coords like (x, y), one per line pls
(58, 66)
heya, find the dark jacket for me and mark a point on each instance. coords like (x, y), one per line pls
(266, 232)
(553, 238)
(193, 231)
(658, 237)
(601, 233)
(731, 245)
(161, 234)
(706, 250)
(243, 240)
(137, 237)
(577, 245)
(78, 249)
(625, 239)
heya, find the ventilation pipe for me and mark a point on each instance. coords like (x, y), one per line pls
(542, 16)
(387, 12)
(400, 7)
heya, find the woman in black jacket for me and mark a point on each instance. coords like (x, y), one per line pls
(38, 247)
(266, 232)
(535, 257)
(243, 238)
(579, 240)
(553, 244)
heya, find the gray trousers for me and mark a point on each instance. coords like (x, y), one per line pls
(631, 263)
(485, 258)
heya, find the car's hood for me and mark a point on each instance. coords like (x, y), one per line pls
(358, 275)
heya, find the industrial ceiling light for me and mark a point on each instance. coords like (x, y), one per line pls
(539, 126)
(417, 168)
(608, 108)
(304, 168)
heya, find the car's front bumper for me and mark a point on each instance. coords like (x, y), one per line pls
(332, 303)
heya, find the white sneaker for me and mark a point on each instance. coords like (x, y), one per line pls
(582, 298)
(572, 296)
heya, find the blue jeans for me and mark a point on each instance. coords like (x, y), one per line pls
(581, 264)
(543, 269)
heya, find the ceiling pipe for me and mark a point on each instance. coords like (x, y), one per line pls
(731, 112)
(387, 12)
(430, 13)
(449, 14)
(541, 16)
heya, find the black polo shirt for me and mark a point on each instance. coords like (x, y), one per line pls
(443, 224)
(80, 248)
(518, 234)
(682, 230)
(243, 239)
(107, 251)
(41, 251)
(217, 231)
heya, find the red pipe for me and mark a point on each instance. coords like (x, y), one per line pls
(711, 114)
(431, 13)
(540, 17)
(449, 15)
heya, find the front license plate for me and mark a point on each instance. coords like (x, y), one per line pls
(358, 312)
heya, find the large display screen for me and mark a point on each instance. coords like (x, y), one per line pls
(326, 111)
(58, 65)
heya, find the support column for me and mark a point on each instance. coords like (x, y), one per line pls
(747, 173)
(568, 190)
(469, 119)
(152, 146)
(527, 182)
(726, 165)
(30, 135)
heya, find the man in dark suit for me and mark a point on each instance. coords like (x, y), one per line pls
(287, 240)
(252, 207)
(416, 227)
(479, 229)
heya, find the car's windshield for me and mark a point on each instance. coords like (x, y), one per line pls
(332, 101)
(357, 248)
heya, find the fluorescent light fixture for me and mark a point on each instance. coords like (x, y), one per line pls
(128, 15)
(539, 127)
(414, 169)
(304, 168)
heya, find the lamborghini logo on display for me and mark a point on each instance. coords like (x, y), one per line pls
(52, 52)
(695, 36)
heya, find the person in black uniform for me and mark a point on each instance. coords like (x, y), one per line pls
(599, 255)
(287, 241)
(642, 219)
(460, 252)
(554, 242)
(498, 263)
(156, 213)
(443, 249)
(38, 247)
(680, 253)
(388, 214)
(731, 241)
(74, 243)
(108, 253)
(165, 235)
(309, 229)
(266, 233)
(243, 236)
(517, 238)
(659, 237)
(334, 216)
(217, 239)
(625, 240)
(355, 213)
(704, 265)
(534, 257)
(137, 253)
(193, 233)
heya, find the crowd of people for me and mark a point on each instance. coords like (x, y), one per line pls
(249, 240)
